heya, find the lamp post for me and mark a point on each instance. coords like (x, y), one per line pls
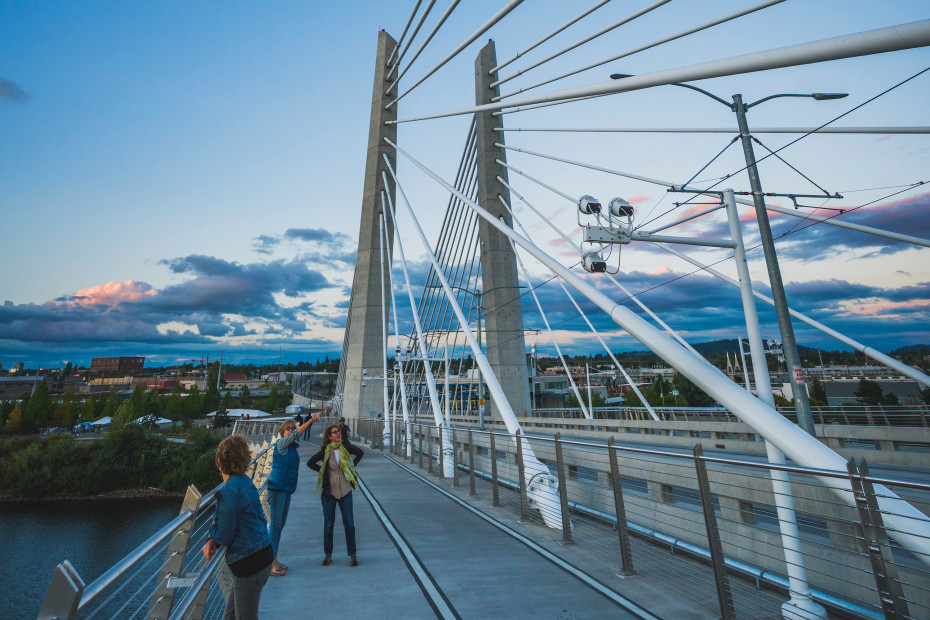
(789, 345)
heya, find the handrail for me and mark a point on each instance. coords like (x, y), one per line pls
(206, 573)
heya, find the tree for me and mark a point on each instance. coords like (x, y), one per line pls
(62, 415)
(817, 392)
(86, 411)
(112, 403)
(38, 412)
(690, 394)
(194, 404)
(245, 399)
(869, 392)
(272, 402)
(596, 399)
(174, 409)
(15, 423)
(124, 415)
(211, 398)
(138, 400)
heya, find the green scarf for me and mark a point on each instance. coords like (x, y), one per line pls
(345, 460)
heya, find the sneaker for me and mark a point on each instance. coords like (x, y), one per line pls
(327, 560)
(353, 561)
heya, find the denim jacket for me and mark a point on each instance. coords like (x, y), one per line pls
(239, 522)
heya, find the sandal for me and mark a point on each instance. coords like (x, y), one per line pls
(278, 572)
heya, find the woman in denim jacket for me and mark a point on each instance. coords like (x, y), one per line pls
(285, 465)
(239, 524)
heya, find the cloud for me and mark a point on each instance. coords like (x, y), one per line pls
(12, 93)
(113, 293)
(263, 244)
(320, 235)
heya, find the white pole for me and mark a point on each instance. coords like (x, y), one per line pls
(421, 342)
(587, 372)
(801, 606)
(912, 527)
(445, 356)
(386, 433)
(541, 485)
(890, 39)
(742, 361)
(729, 130)
(399, 367)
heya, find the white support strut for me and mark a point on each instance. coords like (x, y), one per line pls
(421, 342)
(912, 528)
(542, 487)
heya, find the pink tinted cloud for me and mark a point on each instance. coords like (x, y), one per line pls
(558, 241)
(638, 198)
(113, 293)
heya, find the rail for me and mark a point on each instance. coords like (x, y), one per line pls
(165, 576)
(707, 524)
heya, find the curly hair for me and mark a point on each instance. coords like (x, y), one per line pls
(233, 456)
(329, 429)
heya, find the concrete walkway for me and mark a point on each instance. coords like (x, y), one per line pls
(423, 554)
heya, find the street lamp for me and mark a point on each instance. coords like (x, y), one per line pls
(790, 347)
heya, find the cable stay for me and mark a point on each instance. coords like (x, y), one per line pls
(585, 317)
(386, 433)
(889, 39)
(647, 46)
(484, 28)
(805, 130)
(549, 36)
(526, 276)
(878, 356)
(823, 220)
(429, 37)
(403, 34)
(912, 530)
(782, 160)
(430, 380)
(409, 43)
(581, 42)
(541, 485)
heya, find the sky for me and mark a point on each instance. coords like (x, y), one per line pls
(184, 178)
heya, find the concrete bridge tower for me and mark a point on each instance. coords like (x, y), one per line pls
(362, 348)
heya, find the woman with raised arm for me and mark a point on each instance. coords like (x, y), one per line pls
(336, 480)
(282, 483)
(239, 523)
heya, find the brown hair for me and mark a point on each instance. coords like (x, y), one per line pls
(285, 425)
(329, 429)
(233, 456)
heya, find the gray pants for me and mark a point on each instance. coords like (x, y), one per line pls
(244, 595)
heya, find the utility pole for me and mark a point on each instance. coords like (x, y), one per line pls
(789, 346)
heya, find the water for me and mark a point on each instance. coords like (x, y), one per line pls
(93, 535)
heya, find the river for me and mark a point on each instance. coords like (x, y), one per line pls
(93, 535)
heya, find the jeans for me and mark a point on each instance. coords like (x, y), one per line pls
(329, 520)
(279, 503)
(242, 603)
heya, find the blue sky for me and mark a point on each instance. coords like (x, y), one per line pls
(184, 177)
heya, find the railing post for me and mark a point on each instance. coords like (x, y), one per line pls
(626, 552)
(724, 595)
(455, 464)
(875, 541)
(64, 594)
(563, 493)
(523, 501)
(495, 492)
(429, 448)
(471, 464)
(441, 448)
(175, 557)
(420, 430)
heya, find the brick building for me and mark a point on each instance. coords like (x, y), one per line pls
(125, 365)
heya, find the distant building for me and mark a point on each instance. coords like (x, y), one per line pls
(840, 392)
(125, 365)
(14, 388)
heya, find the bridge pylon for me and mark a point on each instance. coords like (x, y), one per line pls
(361, 365)
(503, 310)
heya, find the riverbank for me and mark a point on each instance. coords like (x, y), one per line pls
(149, 493)
(127, 463)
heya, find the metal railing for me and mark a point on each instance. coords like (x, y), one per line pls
(706, 526)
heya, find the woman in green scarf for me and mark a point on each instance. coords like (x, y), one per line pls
(336, 480)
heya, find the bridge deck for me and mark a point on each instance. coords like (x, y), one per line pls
(427, 549)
